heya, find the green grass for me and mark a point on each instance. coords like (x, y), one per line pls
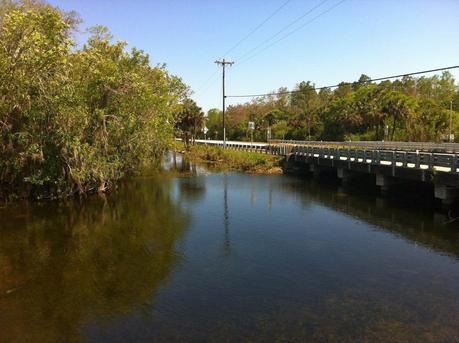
(251, 162)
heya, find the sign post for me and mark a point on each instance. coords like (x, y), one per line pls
(205, 130)
(251, 128)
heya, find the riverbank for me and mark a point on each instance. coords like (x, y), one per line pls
(248, 162)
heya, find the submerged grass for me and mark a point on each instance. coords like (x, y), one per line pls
(250, 162)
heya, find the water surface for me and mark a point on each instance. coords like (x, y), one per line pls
(227, 257)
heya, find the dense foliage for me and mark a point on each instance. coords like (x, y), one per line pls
(229, 159)
(75, 119)
(414, 109)
(191, 121)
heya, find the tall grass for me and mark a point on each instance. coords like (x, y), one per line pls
(251, 162)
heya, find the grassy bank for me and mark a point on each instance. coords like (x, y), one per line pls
(250, 162)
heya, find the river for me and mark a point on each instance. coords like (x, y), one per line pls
(191, 255)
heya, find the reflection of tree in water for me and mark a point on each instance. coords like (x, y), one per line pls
(179, 165)
(192, 189)
(63, 265)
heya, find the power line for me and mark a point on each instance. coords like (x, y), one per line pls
(205, 85)
(256, 28)
(292, 32)
(345, 83)
(283, 29)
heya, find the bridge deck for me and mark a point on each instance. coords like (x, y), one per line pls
(397, 154)
(381, 145)
(390, 162)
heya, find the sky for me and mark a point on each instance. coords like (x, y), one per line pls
(329, 41)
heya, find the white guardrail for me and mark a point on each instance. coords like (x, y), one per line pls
(375, 153)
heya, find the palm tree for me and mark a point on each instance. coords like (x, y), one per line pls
(191, 120)
(398, 106)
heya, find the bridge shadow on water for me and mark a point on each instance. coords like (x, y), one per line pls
(416, 218)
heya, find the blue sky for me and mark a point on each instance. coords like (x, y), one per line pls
(375, 37)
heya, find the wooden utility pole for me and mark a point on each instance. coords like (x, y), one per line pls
(450, 121)
(223, 63)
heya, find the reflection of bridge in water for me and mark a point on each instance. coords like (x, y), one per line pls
(390, 163)
(434, 230)
(429, 228)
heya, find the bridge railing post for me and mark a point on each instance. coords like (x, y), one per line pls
(395, 154)
(405, 160)
(431, 161)
(417, 163)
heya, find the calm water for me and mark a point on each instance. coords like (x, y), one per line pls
(227, 257)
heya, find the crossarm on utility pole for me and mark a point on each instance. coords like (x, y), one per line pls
(223, 63)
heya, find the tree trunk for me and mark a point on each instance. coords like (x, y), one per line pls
(393, 128)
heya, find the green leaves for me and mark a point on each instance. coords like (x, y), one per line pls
(407, 109)
(76, 120)
(190, 120)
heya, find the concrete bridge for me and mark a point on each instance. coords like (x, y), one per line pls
(392, 163)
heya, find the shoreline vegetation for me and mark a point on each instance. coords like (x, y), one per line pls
(228, 159)
(76, 118)
(419, 109)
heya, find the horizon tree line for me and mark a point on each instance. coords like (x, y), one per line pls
(409, 109)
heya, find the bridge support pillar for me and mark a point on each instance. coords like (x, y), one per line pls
(314, 169)
(439, 218)
(446, 194)
(344, 175)
(384, 182)
(381, 203)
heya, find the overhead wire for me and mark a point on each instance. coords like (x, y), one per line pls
(292, 32)
(347, 83)
(282, 30)
(205, 85)
(256, 28)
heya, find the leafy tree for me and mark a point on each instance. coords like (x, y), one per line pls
(191, 120)
(76, 120)
(214, 123)
(412, 108)
(280, 129)
(399, 109)
(305, 104)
